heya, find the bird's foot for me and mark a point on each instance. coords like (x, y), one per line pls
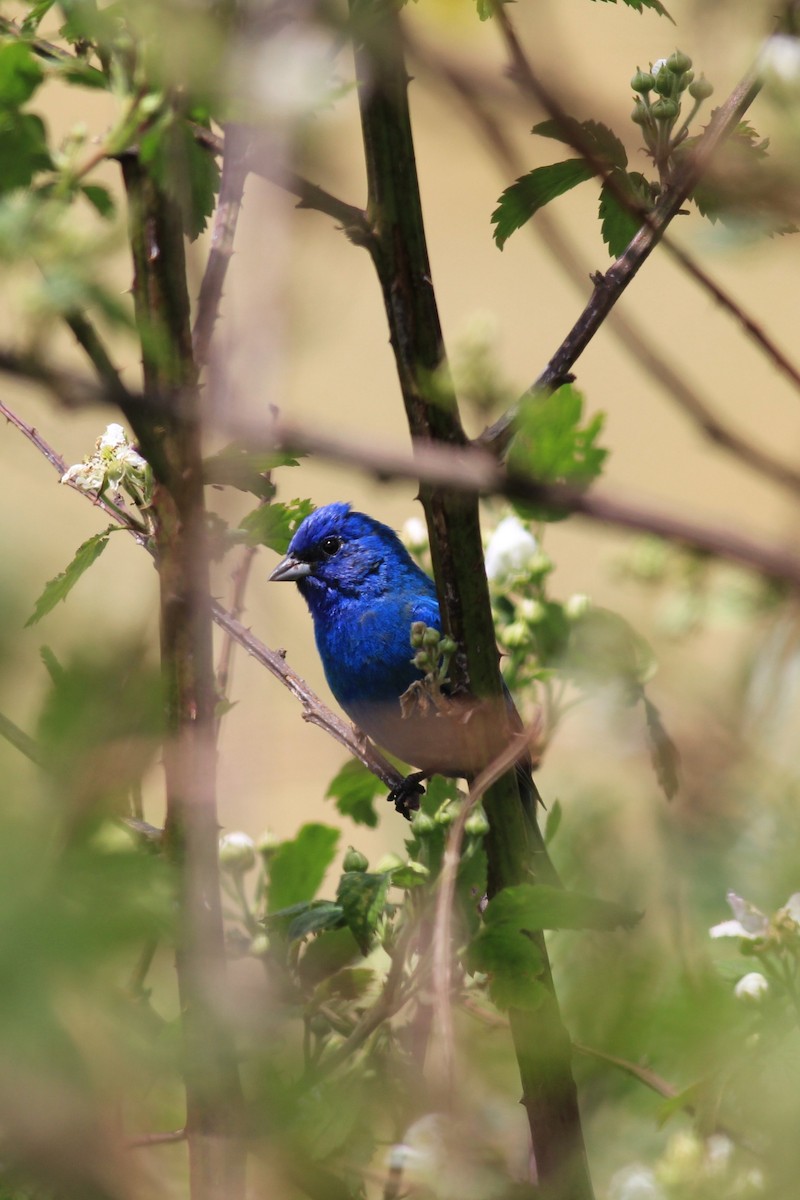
(405, 797)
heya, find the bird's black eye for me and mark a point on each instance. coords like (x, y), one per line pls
(331, 545)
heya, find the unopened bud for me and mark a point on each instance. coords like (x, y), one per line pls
(678, 62)
(701, 89)
(640, 113)
(422, 824)
(418, 632)
(642, 81)
(354, 860)
(477, 824)
(237, 853)
(431, 637)
(665, 109)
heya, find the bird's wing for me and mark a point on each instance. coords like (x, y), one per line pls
(426, 608)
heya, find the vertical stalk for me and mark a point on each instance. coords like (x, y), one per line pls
(170, 436)
(399, 253)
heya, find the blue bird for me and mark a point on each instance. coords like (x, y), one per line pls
(364, 592)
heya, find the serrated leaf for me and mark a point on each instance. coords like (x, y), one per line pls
(531, 192)
(618, 221)
(663, 751)
(323, 914)
(100, 198)
(235, 466)
(297, 868)
(593, 140)
(185, 169)
(274, 524)
(354, 789)
(58, 588)
(362, 895)
(35, 14)
(639, 6)
(538, 906)
(20, 74)
(552, 446)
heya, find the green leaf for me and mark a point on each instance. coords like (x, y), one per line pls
(531, 192)
(552, 446)
(513, 962)
(351, 983)
(535, 907)
(297, 868)
(354, 789)
(23, 149)
(20, 74)
(362, 896)
(35, 15)
(553, 821)
(604, 648)
(618, 223)
(663, 751)
(100, 198)
(235, 466)
(594, 141)
(274, 524)
(639, 6)
(59, 588)
(322, 914)
(187, 171)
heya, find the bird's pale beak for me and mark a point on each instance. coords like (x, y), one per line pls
(289, 570)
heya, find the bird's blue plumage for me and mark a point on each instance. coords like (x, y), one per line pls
(364, 592)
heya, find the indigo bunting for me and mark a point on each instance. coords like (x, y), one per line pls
(364, 592)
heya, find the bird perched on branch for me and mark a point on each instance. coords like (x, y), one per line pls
(375, 612)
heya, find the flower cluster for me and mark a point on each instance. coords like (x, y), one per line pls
(657, 105)
(115, 465)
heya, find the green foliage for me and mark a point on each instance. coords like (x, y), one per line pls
(58, 588)
(640, 5)
(273, 524)
(531, 192)
(362, 896)
(355, 789)
(186, 171)
(535, 907)
(247, 470)
(552, 445)
(298, 867)
(623, 196)
(20, 74)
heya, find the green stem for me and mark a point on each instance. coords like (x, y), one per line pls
(400, 256)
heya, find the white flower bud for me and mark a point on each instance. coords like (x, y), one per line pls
(511, 549)
(114, 436)
(414, 534)
(751, 987)
(237, 852)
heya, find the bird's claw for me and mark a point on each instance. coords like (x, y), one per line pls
(405, 797)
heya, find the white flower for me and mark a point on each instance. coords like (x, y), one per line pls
(752, 986)
(114, 463)
(780, 60)
(237, 852)
(635, 1182)
(114, 436)
(659, 65)
(791, 908)
(748, 922)
(511, 548)
(414, 534)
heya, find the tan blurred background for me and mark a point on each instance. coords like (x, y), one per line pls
(303, 328)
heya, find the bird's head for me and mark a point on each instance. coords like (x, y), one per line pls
(337, 552)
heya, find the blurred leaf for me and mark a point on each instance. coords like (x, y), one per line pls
(553, 821)
(522, 199)
(100, 198)
(552, 446)
(534, 907)
(35, 14)
(663, 751)
(23, 149)
(327, 954)
(513, 963)
(351, 983)
(58, 588)
(640, 5)
(186, 171)
(52, 665)
(590, 138)
(618, 223)
(20, 74)
(274, 524)
(297, 868)
(235, 466)
(362, 896)
(604, 648)
(354, 789)
(318, 916)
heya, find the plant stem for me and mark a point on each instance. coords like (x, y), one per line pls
(213, 1091)
(400, 256)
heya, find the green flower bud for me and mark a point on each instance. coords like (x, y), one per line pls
(418, 632)
(445, 816)
(431, 637)
(642, 81)
(678, 62)
(640, 114)
(532, 611)
(267, 843)
(389, 862)
(237, 853)
(354, 860)
(665, 83)
(422, 824)
(577, 606)
(477, 824)
(540, 564)
(701, 89)
(515, 635)
(447, 645)
(685, 80)
(259, 947)
(665, 109)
